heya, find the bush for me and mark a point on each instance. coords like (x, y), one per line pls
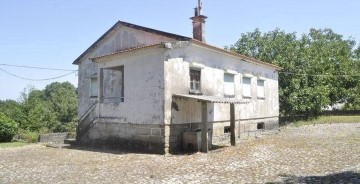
(28, 136)
(8, 128)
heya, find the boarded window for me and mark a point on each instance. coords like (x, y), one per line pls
(195, 78)
(113, 84)
(246, 87)
(94, 85)
(229, 86)
(260, 88)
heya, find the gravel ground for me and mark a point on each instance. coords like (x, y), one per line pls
(309, 154)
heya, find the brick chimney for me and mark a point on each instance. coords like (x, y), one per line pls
(199, 23)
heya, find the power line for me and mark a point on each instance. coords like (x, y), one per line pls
(46, 79)
(34, 67)
(322, 75)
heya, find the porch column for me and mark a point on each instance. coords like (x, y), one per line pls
(101, 85)
(232, 124)
(204, 128)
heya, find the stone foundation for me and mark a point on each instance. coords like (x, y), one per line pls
(169, 138)
(244, 129)
(133, 137)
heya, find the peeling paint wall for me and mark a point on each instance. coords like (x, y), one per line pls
(212, 84)
(143, 88)
(183, 115)
(121, 38)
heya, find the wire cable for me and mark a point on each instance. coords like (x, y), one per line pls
(34, 67)
(29, 79)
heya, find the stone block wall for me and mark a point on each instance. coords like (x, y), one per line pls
(53, 137)
(133, 137)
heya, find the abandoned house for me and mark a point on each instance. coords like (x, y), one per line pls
(147, 89)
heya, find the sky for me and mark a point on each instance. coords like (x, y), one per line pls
(53, 33)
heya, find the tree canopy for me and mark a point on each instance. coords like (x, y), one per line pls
(53, 109)
(320, 68)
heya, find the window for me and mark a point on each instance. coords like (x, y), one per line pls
(261, 89)
(261, 126)
(94, 86)
(227, 129)
(195, 78)
(229, 87)
(246, 87)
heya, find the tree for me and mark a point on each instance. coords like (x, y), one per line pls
(313, 65)
(52, 108)
(8, 128)
(62, 99)
(15, 111)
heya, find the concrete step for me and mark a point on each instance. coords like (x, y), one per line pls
(70, 141)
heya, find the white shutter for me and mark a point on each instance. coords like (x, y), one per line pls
(229, 88)
(246, 87)
(94, 87)
(261, 88)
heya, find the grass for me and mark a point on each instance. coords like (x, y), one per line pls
(328, 120)
(12, 144)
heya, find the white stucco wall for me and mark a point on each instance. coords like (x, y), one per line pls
(121, 38)
(144, 87)
(212, 84)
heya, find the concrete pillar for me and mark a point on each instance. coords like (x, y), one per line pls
(204, 128)
(232, 125)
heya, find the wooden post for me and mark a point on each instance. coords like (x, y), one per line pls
(232, 124)
(204, 128)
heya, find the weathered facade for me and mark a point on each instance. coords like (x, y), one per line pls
(138, 88)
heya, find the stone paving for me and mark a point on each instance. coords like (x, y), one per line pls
(309, 154)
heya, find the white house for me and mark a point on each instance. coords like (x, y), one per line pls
(143, 88)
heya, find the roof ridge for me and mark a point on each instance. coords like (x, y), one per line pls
(130, 25)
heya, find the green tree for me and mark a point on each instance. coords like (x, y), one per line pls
(8, 128)
(14, 110)
(39, 113)
(313, 65)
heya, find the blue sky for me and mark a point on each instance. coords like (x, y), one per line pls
(53, 33)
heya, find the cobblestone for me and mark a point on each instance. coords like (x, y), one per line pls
(309, 154)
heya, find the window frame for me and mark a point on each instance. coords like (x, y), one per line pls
(193, 83)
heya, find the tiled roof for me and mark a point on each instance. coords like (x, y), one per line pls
(212, 99)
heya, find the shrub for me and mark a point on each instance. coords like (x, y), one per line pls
(28, 136)
(8, 128)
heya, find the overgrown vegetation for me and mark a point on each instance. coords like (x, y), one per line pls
(53, 109)
(319, 68)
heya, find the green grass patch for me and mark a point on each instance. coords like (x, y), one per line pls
(328, 120)
(12, 144)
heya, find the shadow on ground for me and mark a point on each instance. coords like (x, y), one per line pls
(121, 151)
(343, 177)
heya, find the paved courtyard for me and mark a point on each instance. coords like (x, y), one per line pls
(309, 154)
